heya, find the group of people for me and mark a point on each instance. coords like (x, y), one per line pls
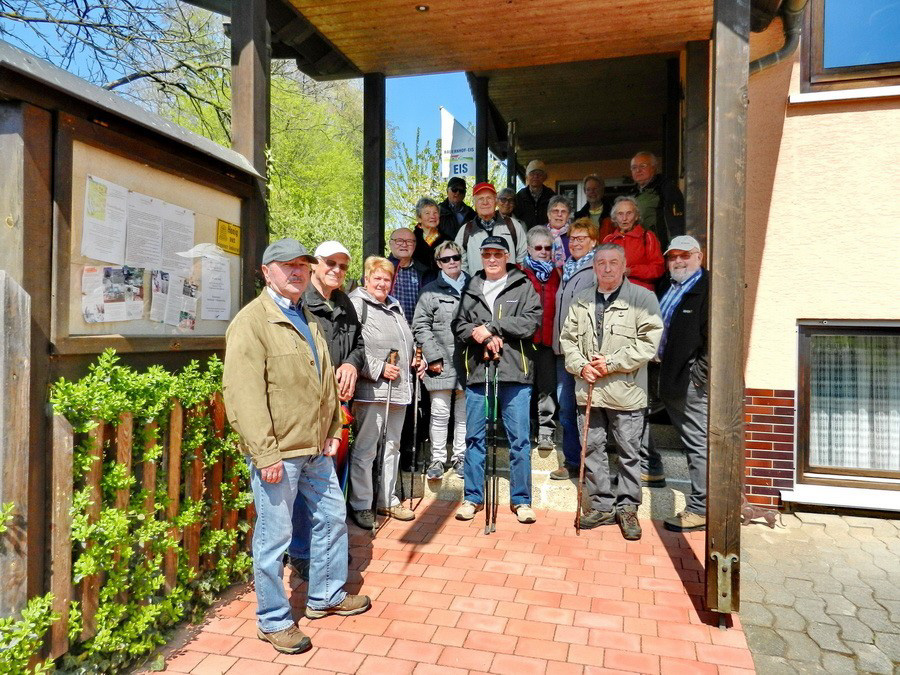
(556, 311)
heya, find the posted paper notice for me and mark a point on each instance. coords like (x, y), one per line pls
(105, 214)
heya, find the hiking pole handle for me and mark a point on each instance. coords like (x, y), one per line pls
(417, 359)
(392, 357)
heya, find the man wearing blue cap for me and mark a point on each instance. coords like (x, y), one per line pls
(282, 400)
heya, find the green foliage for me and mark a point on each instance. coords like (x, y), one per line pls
(126, 547)
(22, 638)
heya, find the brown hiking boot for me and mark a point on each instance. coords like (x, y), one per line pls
(594, 518)
(398, 512)
(686, 521)
(628, 523)
(563, 473)
(291, 640)
(349, 606)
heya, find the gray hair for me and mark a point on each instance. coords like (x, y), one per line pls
(422, 203)
(625, 198)
(654, 160)
(559, 199)
(444, 245)
(610, 247)
(538, 231)
(506, 192)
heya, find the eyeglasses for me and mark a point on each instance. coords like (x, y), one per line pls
(403, 242)
(543, 248)
(343, 267)
(579, 238)
(488, 254)
(450, 258)
(506, 199)
(458, 190)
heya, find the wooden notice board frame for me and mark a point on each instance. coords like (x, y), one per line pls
(72, 130)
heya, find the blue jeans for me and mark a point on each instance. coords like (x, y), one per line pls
(314, 478)
(565, 394)
(514, 402)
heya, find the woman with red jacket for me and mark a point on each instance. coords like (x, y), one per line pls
(643, 255)
(538, 266)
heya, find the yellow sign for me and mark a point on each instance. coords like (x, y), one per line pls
(228, 237)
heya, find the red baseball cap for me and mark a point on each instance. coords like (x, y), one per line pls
(480, 187)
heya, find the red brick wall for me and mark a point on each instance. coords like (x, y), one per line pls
(768, 444)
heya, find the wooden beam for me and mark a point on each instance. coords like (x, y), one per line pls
(60, 558)
(374, 122)
(730, 52)
(511, 162)
(482, 121)
(250, 122)
(696, 141)
(15, 378)
(672, 121)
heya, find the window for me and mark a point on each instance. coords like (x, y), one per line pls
(849, 402)
(851, 43)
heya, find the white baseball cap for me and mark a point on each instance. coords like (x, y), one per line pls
(535, 165)
(327, 248)
(684, 242)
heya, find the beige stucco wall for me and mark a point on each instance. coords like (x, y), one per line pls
(823, 215)
(606, 169)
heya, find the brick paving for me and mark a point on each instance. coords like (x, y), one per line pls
(527, 599)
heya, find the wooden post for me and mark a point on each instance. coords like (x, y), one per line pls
(511, 158)
(148, 472)
(726, 344)
(15, 383)
(173, 461)
(60, 563)
(124, 442)
(90, 585)
(250, 108)
(193, 486)
(696, 141)
(482, 120)
(217, 412)
(672, 121)
(374, 121)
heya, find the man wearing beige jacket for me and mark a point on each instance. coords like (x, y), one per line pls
(611, 332)
(282, 400)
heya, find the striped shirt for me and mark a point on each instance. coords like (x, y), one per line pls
(670, 302)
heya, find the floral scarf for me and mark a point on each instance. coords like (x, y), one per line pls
(559, 248)
(541, 268)
(572, 266)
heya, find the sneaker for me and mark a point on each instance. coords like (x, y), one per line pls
(565, 472)
(291, 640)
(524, 513)
(594, 518)
(467, 510)
(459, 466)
(628, 523)
(653, 480)
(435, 470)
(364, 518)
(349, 606)
(545, 442)
(686, 521)
(398, 512)
(299, 568)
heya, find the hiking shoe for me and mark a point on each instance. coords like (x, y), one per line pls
(291, 640)
(653, 480)
(349, 606)
(398, 512)
(563, 473)
(435, 470)
(524, 513)
(299, 568)
(628, 523)
(545, 442)
(459, 466)
(467, 510)
(686, 521)
(364, 518)
(594, 518)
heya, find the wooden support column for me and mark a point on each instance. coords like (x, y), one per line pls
(696, 141)
(730, 53)
(672, 121)
(374, 122)
(511, 157)
(250, 109)
(482, 120)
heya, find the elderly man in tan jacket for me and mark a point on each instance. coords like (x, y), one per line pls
(611, 332)
(282, 400)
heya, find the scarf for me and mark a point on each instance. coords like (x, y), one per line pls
(559, 249)
(456, 284)
(572, 266)
(541, 268)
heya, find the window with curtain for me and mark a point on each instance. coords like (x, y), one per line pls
(854, 402)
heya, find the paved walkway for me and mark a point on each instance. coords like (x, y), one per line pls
(822, 594)
(526, 599)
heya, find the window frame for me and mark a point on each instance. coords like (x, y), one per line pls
(814, 76)
(829, 475)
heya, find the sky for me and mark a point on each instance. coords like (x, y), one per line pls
(414, 102)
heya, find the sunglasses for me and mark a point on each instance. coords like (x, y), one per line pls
(343, 267)
(450, 258)
(458, 190)
(488, 254)
(542, 248)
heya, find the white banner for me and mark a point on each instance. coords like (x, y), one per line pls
(457, 147)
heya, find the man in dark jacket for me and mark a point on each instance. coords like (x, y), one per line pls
(454, 211)
(533, 200)
(498, 314)
(335, 315)
(660, 201)
(684, 367)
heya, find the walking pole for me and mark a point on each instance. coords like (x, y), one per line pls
(412, 474)
(495, 477)
(584, 442)
(391, 359)
(488, 484)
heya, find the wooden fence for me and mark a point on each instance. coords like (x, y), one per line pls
(106, 442)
